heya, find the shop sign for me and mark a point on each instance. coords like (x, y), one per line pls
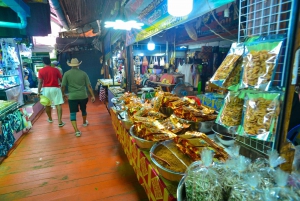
(154, 14)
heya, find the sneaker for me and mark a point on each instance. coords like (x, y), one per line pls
(50, 121)
(86, 123)
(62, 124)
(78, 134)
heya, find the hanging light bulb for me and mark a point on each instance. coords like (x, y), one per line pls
(179, 8)
(151, 45)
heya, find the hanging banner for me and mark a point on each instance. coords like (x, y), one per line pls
(154, 14)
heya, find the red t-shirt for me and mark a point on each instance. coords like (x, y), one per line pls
(50, 76)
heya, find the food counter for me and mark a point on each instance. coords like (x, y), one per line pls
(156, 187)
(113, 92)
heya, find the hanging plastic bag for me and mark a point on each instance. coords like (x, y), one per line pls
(232, 110)
(137, 61)
(151, 65)
(155, 61)
(261, 110)
(145, 62)
(259, 64)
(228, 74)
(162, 62)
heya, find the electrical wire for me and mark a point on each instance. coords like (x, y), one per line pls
(67, 45)
(217, 19)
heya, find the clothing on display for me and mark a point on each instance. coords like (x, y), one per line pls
(13, 122)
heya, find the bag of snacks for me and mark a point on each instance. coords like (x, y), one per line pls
(260, 113)
(232, 110)
(281, 191)
(248, 189)
(228, 74)
(259, 63)
(201, 180)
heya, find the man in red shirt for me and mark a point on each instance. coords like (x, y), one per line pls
(48, 79)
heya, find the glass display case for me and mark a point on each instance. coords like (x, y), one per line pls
(10, 88)
(9, 81)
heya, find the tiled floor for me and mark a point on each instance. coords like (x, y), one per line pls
(51, 163)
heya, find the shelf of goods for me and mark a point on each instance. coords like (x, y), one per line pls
(13, 122)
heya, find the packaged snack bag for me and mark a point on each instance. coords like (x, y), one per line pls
(260, 113)
(228, 74)
(259, 64)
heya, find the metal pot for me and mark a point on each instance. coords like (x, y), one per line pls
(225, 135)
(142, 143)
(164, 172)
(126, 122)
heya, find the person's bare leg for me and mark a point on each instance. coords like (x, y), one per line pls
(59, 113)
(74, 124)
(84, 119)
(48, 112)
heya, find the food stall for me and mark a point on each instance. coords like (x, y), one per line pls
(245, 124)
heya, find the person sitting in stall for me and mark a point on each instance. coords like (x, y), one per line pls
(31, 77)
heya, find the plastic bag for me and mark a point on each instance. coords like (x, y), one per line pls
(201, 181)
(248, 189)
(259, 64)
(267, 169)
(228, 73)
(234, 168)
(260, 113)
(232, 110)
(281, 190)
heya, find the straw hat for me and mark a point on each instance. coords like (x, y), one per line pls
(45, 101)
(74, 62)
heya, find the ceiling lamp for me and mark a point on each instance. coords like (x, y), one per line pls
(179, 8)
(121, 25)
(151, 45)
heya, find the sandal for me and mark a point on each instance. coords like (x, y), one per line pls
(86, 123)
(78, 134)
(50, 121)
(62, 124)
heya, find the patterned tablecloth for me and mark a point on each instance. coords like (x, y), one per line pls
(156, 187)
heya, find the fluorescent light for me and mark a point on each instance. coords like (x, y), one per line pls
(159, 54)
(180, 8)
(141, 54)
(182, 47)
(151, 45)
(121, 25)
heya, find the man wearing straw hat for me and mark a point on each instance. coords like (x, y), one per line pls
(48, 79)
(77, 82)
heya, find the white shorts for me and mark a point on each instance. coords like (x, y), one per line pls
(54, 94)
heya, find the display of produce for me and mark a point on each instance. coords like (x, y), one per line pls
(239, 179)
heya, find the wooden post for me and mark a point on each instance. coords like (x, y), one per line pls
(287, 149)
